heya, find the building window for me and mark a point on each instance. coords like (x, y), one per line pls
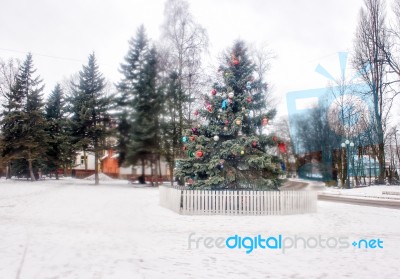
(83, 160)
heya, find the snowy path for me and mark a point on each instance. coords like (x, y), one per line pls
(71, 229)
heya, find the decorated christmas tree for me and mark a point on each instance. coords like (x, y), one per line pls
(226, 148)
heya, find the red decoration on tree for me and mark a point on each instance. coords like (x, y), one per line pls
(264, 121)
(184, 147)
(235, 62)
(249, 99)
(192, 138)
(282, 147)
(214, 91)
(196, 112)
(274, 139)
(190, 181)
(199, 154)
(254, 144)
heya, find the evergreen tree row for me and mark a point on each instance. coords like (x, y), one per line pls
(40, 136)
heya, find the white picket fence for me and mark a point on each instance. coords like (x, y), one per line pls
(237, 202)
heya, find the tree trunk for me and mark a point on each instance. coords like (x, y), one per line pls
(143, 172)
(171, 173)
(8, 170)
(31, 170)
(85, 159)
(381, 160)
(96, 165)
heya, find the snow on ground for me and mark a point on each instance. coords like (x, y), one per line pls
(102, 177)
(74, 229)
(377, 191)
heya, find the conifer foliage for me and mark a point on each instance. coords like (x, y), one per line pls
(226, 148)
(90, 106)
(140, 104)
(60, 152)
(23, 124)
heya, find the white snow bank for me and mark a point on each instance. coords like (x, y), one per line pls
(102, 177)
(377, 191)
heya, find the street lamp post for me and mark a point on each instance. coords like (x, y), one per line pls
(347, 144)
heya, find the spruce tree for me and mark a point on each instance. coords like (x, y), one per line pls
(226, 149)
(134, 61)
(23, 125)
(90, 118)
(139, 127)
(59, 151)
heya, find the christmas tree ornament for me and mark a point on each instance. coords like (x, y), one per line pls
(238, 121)
(254, 144)
(226, 122)
(184, 139)
(216, 138)
(242, 152)
(192, 138)
(248, 85)
(199, 153)
(214, 92)
(191, 154)
(249, 99)
(235, 61)
(190, 181)
(264, 121)
(224, 104)
(282, 147)
(225, 129)
(274, 139)
(184, 147)
(196, 113)
(231, 94)
(219, 116)
(195, 131)
(240, 133)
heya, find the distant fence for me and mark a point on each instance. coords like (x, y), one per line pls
(237, 202)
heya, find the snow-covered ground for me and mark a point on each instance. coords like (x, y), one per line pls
(378, 191)
(73, 229)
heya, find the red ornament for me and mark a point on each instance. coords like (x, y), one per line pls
(192, 138)
(249, 99)
(196, 112)
(184, 147)
(214, 91)
(254, 144)
(190, 181)
(199, 154)
(226, 122)
(282, 147)
(264, 121)
(235, 62)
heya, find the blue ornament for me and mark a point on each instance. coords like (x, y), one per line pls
(224, 104)
(248, 85)
(184, 139)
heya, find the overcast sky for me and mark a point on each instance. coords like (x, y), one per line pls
(61, 34)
